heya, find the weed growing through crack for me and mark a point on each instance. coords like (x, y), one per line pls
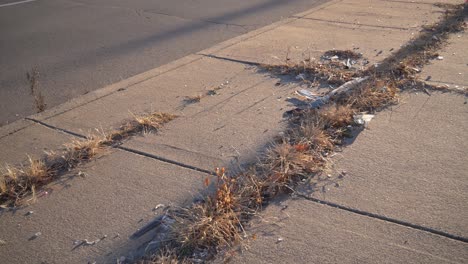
(33, 78)
(216, 224)
(17, 183)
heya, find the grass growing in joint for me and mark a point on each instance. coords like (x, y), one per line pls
(17, 183)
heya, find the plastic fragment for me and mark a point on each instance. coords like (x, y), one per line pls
(363, 119)
(307, 94)
(158, 206)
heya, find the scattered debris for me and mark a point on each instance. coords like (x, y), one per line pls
(342, 54)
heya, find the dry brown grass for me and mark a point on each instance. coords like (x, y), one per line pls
(16, 183)
(165, 256)
(336, 116)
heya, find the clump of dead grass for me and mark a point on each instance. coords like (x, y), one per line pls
(16, 183)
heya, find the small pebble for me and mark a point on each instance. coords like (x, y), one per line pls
(279, 240)
(440, 58)
(30, 213)
(36, 235)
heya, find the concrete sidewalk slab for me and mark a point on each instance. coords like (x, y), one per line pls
(453, 69)
(161, 93)
(378, 13)
(410, 164)
(315, 233)
(305, 37)
(115, 199)
(32, 140)
(228, 129)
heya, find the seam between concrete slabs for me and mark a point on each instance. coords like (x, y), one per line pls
(126, 149)
(356, 24)
(386, 219)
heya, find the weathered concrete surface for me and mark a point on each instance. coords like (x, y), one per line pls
(411, 164)
(453, 69)
(315, 233)
(229, 128)
(115, 199)
(378, 37)
(233, 125)
(33, 140)
(164, 92)
(378, 13)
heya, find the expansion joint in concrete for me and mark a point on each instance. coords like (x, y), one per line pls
(386, 219)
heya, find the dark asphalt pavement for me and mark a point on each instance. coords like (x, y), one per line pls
(82, 45)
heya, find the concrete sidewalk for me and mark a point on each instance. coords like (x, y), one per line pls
(399, 178)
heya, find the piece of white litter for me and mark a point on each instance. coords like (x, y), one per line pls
(30, 213)
(280, 239)
(363, 119)
(2, 242)
(440, 57)
(158, 206)
(306, 93)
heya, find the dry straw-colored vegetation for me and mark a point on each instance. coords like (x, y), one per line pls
(215, 224)
(19, 183)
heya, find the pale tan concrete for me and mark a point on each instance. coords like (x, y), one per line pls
(115, 198)
(33, 140)
(452, 70)
(375, 29)
(410, 164)
(227, 129)
(314, 233)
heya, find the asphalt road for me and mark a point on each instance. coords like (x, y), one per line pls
(79, 46)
